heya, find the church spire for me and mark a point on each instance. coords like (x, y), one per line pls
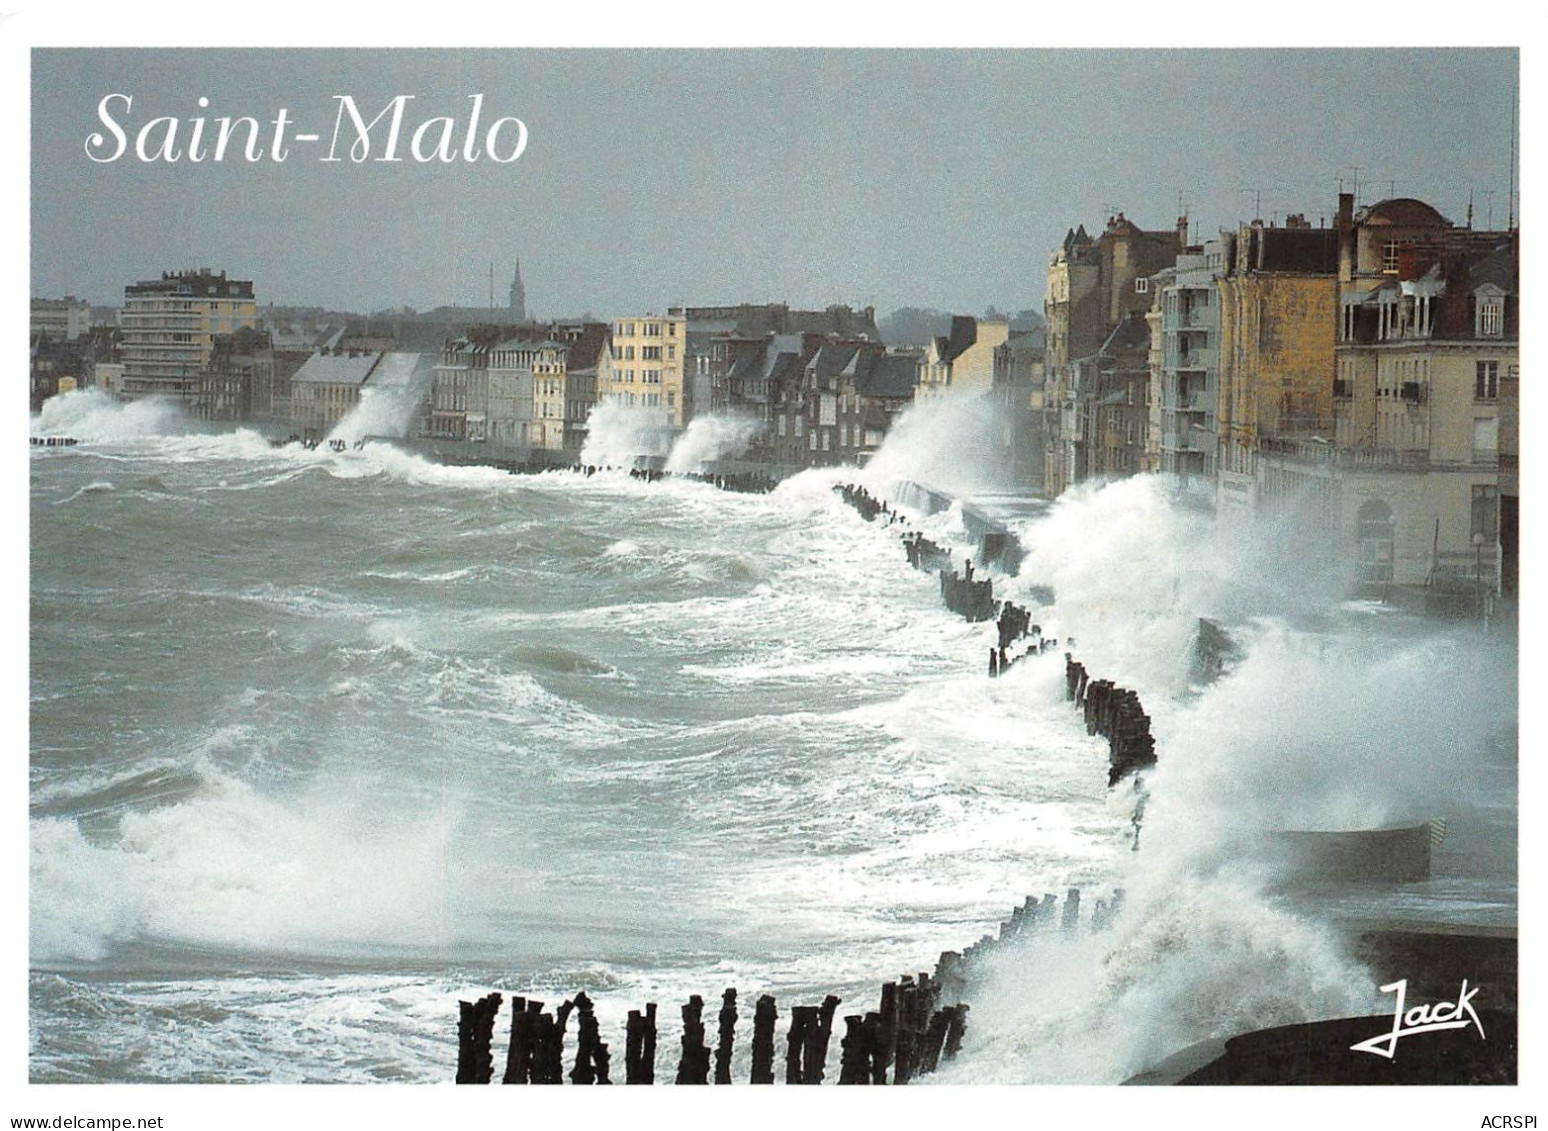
(518, 297)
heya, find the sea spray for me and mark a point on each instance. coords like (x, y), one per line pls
(617, 435)
(394, 394)
(93, 416)
(1183, 962)
(711, 437)
(950, 443)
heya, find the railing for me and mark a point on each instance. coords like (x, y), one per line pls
(1397, 459)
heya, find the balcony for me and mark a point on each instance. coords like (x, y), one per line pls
(1354, 459)
(1198, 357)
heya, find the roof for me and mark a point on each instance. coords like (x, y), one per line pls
(336, 369)
(1498, 267)
(831, 360)
(889, 376)
(1131, 333)
(402, 370)
(1402, 211)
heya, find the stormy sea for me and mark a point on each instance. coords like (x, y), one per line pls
(324, 741)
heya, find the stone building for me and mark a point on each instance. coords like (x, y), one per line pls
(1409, 482)
(240, 364)
(1278, 312)
(1091, 285)
(962, 361)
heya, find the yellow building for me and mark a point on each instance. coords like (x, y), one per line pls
(1407, 486)
(561, 399)
(962, 361)
(644, 366)
(169, 325)
(1278, 314)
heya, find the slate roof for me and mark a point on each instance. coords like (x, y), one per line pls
(890, 376)
(336, 369)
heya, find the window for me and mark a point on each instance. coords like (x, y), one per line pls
(1486, 384)
(782, 425)
(1141, 286)
(1491, 319)
(1391, 256)
(1486, 437)
(827, 439)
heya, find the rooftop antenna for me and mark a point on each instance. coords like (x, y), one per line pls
(1391, 190)
(1470, 208)
(1515, 93)
(1354, 189)
(1489, 196)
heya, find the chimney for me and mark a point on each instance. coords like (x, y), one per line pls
(1345, 217)
(1182, 231)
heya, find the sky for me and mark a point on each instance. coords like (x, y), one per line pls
(886, 177)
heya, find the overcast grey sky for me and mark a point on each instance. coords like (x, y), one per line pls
(890, 177)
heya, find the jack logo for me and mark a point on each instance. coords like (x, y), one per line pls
(1457, 1014)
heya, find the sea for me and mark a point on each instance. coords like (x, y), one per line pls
(324, 742)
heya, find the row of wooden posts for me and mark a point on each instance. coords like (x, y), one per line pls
(1116, 714)
(1111, 711)
(907, 1036)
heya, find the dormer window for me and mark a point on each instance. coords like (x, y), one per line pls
(1489, 312)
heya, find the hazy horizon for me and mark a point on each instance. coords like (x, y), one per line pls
(887, 177)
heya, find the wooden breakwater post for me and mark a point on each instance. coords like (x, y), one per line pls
(855, 1051)
(815, 1052)
(693, 1067)
(727, 1037)
(802, 1018)
(1116, 714)
(548, 1045)
(765, 1015)
(475, 1036)
(885, 1045)
(518, 1058)
(591, 1056)
(640, 1046)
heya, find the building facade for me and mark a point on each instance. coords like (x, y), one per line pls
(1409, 485)
(169, 326)
(961, 362)
(645, 366)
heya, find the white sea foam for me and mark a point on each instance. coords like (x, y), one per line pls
(710, 437)
(92, 416)
(618, 434)
(233, 868)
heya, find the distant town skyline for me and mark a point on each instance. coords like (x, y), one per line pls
(649, 178)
